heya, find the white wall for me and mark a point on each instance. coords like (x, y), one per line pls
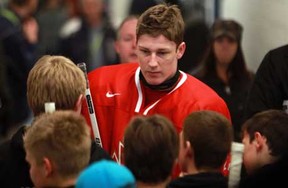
(118, 10)
(265, 25)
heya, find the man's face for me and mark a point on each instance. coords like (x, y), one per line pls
(31, 7)
(158, 57)
(93, 10)
(225, 50)
(250, 157)
(126, 43)
(37, 172)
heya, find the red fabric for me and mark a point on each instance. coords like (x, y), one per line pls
(114, 113)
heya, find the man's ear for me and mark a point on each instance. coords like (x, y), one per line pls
(116, 47)
(78, 105)
(259, 140)
(188, 150)
(48, 167)
(181, 49)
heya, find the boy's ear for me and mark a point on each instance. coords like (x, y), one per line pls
(78, 105)
(116, 46)
(260, 140)
(181, 49)
(48, 167)
(189, 150)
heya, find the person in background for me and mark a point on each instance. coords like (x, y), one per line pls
(6, 111)
(197, 37)
(152, 86)
(50, 16)
(224, 69)
(89, 38)
(205, 134)
(53, 79)
(269, 89)
(57, 148)
(18, 40)
(265, 157)
(125, 44)
(151, 149)
(106, 174)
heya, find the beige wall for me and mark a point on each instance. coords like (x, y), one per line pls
(265, 25)
(118, 11)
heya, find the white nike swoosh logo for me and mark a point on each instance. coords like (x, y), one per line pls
(109, 94)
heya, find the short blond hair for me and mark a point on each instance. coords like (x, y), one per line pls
(63, 137)
(54, 79)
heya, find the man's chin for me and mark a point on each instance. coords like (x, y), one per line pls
(154, 82)
(133, 59)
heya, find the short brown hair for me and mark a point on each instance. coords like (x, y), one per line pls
(150, 148)
(210, 135)
(162, 19)
(273, 125)
(128, 18)
(63, 137)
(54, 79)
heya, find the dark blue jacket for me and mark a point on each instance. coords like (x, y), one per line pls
(20, 57)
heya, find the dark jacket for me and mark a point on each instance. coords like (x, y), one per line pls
(20, 57)
(6, 109)
(270, 86)
(235, 96)
(207, 180)
(14, 170)
(272, 175)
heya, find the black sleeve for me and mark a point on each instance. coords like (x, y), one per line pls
(270, 86)
(98, 153)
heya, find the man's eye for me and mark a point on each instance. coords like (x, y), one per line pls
(127, 39)
(146, 52)
(219, 39)
(162, 53)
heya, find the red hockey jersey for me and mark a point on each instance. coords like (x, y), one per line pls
(117, 96)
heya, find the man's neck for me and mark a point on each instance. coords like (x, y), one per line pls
(167, 85)
(222, 72)
(152, 185)
(63, 183)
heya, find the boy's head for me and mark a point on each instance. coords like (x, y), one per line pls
(206, 140)
(125, 45)
(160, 45)
(106, 174)
(163, 20)
(151, 148)
(55, 79)
(57, 148)
(265, 138)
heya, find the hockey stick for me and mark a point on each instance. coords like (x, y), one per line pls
(91, 110)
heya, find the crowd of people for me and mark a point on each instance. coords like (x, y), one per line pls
(159, 126)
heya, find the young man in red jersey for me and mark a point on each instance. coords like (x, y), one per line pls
(154, 85)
